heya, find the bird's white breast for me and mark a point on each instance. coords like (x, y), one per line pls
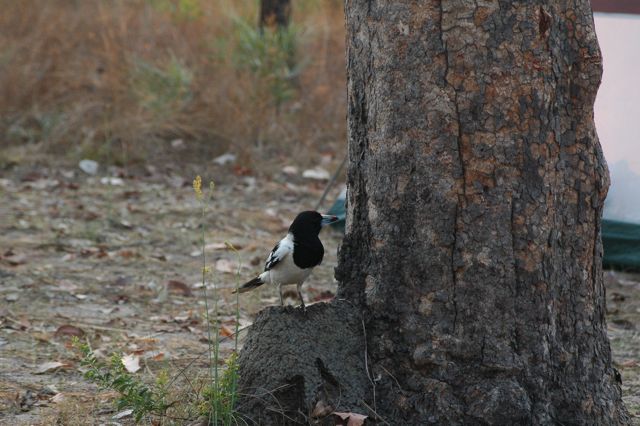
(285, 271)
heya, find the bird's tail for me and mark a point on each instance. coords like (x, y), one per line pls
(256, 282)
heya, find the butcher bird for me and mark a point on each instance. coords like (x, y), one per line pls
(294, 257)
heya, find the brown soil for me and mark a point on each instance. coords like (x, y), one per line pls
(119, 263)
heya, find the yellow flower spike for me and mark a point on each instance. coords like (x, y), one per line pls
(212, 186)
(230, 246)
(197, 187)
(206, 269)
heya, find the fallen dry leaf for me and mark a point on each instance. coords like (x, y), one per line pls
(57, 398)
(225, 331)
(629, 363)
(122, 414)
(128, 254)
(215, 246)
(316, 174)
(69, 330)
(227, 266)
(48, 367)
(290, 170)
(322, 409)
(131, 363)
(179, 287)
(350, 419)
(158, 357)
(12, 297)
(15, 259)
(242, 171)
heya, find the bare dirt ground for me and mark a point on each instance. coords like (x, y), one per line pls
(115, 260)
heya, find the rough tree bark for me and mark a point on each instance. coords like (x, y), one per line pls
(275, 13)
(472, 250)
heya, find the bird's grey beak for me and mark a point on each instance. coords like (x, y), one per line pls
(328, 219)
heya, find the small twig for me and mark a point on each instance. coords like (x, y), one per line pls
(193, 389)
(331, 182)
(393, 377)
(366, 364)
(377, 416)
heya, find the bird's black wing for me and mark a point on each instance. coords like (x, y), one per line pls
(279, 252)
(273, 258)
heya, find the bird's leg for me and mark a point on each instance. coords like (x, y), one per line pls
(299, 286)
(280, 291)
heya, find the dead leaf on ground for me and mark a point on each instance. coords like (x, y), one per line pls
(179, 287)
(159, 256)
(623, 323)
(22, 323)
(290, 170)
(128, 254)
(617, 297)
(629, 363)
(69, 330)
(350, 419)
(215, 246)
(227, 266)
(158, 357)
(131, 363)
(225, 331)
(57, 398)
(12, 297)
(122, 414)
(322, 409)
(317, 173)
(242, 171)
(48, 367)
(14, 259)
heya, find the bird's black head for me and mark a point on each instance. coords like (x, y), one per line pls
(309, 223)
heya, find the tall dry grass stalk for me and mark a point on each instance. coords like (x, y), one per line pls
(116, 79)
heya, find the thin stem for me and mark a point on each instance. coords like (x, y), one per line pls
(216, 353)
(204, 289)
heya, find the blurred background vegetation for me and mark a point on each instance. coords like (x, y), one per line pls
(117, 81)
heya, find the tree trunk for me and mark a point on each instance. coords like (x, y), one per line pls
(472, 250)
(275, 13)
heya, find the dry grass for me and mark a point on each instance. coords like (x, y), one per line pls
(116, 79)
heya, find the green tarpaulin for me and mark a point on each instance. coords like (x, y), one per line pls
(621, 241)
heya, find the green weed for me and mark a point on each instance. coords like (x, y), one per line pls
(36, 127)
(161, 88)
(215, 400)
(270, 56)
(180, 10)
(136, 395)
(220, 396)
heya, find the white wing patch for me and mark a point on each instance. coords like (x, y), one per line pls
(279, 252)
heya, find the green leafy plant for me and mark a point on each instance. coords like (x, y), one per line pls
(142, 398)
(270, 56)
(216, 400)
(36, 127)
(220, 396)
(160, 88)
(180, 10)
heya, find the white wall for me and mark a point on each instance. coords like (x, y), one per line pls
(617, 111)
